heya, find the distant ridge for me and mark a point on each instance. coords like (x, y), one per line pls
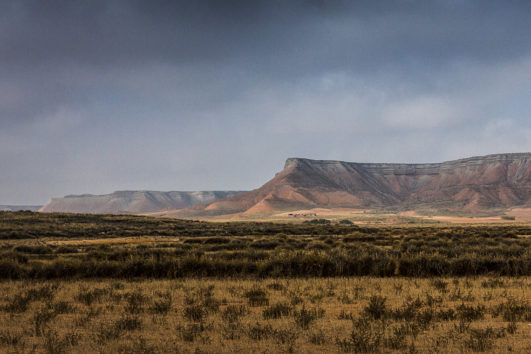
(132, 201)
(470, 184)
(19, 207)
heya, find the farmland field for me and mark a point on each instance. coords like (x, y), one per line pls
(103, 283)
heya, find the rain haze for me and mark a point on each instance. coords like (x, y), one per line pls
(97, 96)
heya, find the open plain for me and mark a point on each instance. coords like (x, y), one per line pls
(132, 284)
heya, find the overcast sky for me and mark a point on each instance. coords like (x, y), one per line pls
(97, 96)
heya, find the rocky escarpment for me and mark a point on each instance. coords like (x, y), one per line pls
(132, 201)
(471, 184)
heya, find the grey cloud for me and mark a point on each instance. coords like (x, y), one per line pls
(105, 33)
(104, 95)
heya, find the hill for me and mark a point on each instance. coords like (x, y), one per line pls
(19, 207)
(132, 201)
(472, 184)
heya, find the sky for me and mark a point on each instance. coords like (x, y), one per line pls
(98, 96)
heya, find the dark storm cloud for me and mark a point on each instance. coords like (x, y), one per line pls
(105, 33)
(102, 95)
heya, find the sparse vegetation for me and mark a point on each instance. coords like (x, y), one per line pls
(114, 246)
(182, 286)
(375, 320)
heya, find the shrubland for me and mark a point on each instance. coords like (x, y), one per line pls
(350, 315)
(48, 246)
(128, 284)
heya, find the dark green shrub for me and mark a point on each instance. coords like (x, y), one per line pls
(397, 339)
(257, 297)
(232, 313)
(128, 323)
(264, 244)
(18, 304)
(65, 249)
(440, 285)
(481, 340)
(33, 249)
(318, 222)
(364, 338)
(193, 240)
(191, 331)
(211, 304)
(276, 311)
(10, 338)
(40, 318)
(162, 306)
(493, 283)
(11, 269)
(318, 338)
(260, 332)
(275, 286)
(317, 246)
(45, 292)
(138, 345)
(217, 240)
(194, 313)
(408, 311)
(446, 315)
(286, 336)
(469, 312)
(134, 302)
(62, 307)
(53, 343)
(376, 308)
(87, 296)
(343, 315)
(304, 318)
(513, 310)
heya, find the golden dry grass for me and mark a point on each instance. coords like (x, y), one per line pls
(368, 216)
(144, 240)
(315, 315)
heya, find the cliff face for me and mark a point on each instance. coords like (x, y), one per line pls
(471, 184)
(132, 201)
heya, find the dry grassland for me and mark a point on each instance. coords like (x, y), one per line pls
(328, 315)
(124, 284)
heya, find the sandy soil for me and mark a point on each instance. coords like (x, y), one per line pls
(520, 214)
(320, 212)
(361, 216)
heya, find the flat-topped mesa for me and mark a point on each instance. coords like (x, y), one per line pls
(132, 201)
(473, 184)
(410, 168)
(470, 184)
